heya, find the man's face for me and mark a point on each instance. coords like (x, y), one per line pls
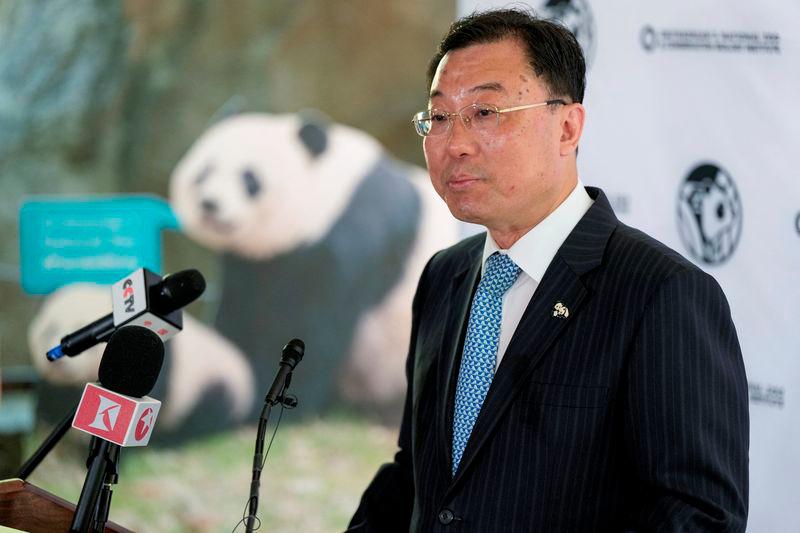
(507, 179)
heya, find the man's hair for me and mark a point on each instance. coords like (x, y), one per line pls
(553, 52)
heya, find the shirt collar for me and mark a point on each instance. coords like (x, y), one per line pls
(534, 250)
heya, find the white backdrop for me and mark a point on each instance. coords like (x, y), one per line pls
(693, 127)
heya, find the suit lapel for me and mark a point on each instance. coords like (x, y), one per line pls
(536, 332)
(542, 324)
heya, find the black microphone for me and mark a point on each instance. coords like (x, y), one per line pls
(131, 361)
(116, 409)
(141, 298)
(291, 355)
(116, 415)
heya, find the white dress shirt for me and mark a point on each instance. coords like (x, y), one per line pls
(533, 253)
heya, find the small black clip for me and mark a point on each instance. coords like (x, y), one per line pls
(289, 401)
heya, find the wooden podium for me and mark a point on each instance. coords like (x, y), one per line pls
(28, 508)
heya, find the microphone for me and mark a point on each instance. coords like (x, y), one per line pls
(143, 299)
(291, 355)
(116, 413)
(117, 409)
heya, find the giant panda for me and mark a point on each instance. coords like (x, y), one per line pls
(322, 236)
(205, 385)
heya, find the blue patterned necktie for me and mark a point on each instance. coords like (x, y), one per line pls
(480, 348)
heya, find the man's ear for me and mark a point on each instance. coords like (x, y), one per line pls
(572, 120)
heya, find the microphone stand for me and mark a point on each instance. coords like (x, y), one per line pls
(106, 468)
(104, 502)
(275, 395)
(49, 443)
(258, 459)
(102, 466)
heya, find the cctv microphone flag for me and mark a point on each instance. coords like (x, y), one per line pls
(117, 418)
(133, 305)
(140, 299)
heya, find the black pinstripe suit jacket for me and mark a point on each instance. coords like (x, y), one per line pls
(630, 414)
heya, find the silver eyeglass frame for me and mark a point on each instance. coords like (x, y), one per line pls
(418, 118)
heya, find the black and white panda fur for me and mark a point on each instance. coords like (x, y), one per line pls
(322, 236)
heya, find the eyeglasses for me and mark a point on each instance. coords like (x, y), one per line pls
(482, 117)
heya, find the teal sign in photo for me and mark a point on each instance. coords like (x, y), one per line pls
(90, 239)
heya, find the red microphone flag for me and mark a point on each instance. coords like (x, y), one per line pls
(114, 417)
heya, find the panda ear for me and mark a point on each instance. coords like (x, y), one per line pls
(313, 133)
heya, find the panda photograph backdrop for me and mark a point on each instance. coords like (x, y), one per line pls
(692, 128)
(309, 224)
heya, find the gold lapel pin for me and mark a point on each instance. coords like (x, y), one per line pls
(560, 310)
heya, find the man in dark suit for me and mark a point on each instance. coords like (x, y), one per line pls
(566, 372)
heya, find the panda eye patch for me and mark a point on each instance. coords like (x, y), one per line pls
(251, 182)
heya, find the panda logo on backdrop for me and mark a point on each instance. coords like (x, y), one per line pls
(648, 38)
(709, 214)
(577, 16)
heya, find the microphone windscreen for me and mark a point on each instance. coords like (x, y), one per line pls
(293, 352)
(179, 289)
(131, 361)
